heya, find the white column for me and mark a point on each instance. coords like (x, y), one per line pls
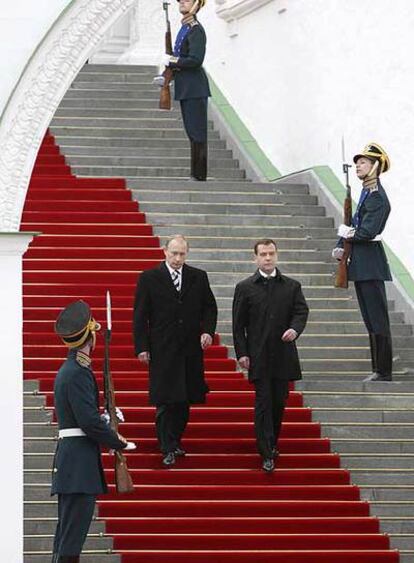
(147, 32)
(12, 247)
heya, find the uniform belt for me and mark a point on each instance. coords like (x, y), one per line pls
(378, 238)
(71, 433)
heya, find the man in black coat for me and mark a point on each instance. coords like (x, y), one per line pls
(368, 266)
(191, 85)
(269, 314)
(175, 317)
(78, 475)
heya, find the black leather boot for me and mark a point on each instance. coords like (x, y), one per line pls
(383, 359)
(199, 161)
(68, 559)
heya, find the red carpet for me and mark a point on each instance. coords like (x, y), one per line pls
(216, 505)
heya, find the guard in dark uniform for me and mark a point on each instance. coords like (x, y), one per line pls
(368, 266)
(191, 86)
(78, 474)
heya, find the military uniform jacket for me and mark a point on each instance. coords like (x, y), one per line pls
(77, 466)
(262, 311)
(190, 79)
(368, 260)
(168, 324)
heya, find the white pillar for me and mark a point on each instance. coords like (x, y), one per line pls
(12, 247)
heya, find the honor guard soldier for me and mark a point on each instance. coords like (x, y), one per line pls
(191, 85)
(78, 475)
(368, 266)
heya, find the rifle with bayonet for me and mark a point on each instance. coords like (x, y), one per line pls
(123, 480)
(165, 94)
(341, 279)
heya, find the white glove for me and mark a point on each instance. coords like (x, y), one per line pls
(337, 253)
(107, 419)
(166, 59)
(158, 80)
(346, 232)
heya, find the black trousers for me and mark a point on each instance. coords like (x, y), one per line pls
(194, 112)
(270, 401)
(170, 422)
(75, 513)
(372, 300)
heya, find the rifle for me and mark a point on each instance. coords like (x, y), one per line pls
(341, 279)
(123, 480)
(165, 94)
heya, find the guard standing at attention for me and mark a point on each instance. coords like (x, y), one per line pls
(78, 475)
(368, 266)
(191, 85)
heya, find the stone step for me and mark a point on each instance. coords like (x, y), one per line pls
(47, 526)
(381, 399)
(117, 68)
(316, 315)
(144, 89)
(88, 100)
(376, 387)
(171, 124)
(116, 78)
(45, 543)
(363, 415)
(138, 142)
(222, 210)
(385, 476)
(367, 430)
(241, 219)
(223, 244)
(114, 112)
(132, 133)
(322, 291)
(387, 493)
(96, 557)
(251, 231)
(167, 151)
(150, 172)
(392, 508)
(217, 186)
(372, 446)
(139, 161)
(333, 327)
(107, 91)
(207, 196)
(240, 255)
(375, 461)
(397, 526)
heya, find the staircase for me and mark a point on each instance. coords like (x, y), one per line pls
(107, 118)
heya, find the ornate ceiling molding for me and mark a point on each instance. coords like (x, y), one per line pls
(39, 91)
(230, 10)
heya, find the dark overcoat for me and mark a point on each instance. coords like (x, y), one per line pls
(262, 311)
(368, 260)
(77, 466)
(168, 324)
(190, 79)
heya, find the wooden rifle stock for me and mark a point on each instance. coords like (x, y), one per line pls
(341, 279)
(165, 94)
(123, 480)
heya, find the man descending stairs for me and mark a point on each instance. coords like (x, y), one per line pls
(107, 125)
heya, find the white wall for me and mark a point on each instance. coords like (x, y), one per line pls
(23, 24)
(301, 74)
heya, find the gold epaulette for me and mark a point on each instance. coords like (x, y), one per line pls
(83, 359)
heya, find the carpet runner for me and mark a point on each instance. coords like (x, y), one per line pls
(216, 505)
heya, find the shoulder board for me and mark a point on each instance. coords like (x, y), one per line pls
(194, 23)
(83, 360)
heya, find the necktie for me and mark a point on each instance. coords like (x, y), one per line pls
(176, 280)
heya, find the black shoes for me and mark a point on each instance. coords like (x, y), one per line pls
(268, 465)
(169, 459)
(377, 377)
(179, 452)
